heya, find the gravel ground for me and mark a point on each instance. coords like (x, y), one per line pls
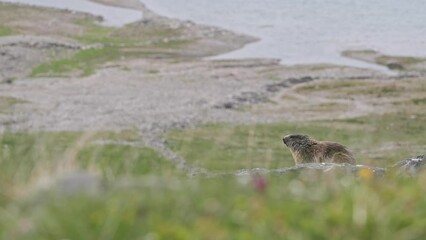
(151, 95)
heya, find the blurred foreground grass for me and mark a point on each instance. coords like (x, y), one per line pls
(307, 206)
(27, 157)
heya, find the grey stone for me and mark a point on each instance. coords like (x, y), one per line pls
(79, 182)
(410, 166)
(395, 66)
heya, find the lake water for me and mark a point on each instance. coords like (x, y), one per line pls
(311, 31)
(113, 16)
(295, 31)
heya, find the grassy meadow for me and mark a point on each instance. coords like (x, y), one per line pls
(289, 208)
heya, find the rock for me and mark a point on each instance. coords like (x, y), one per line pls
(325, 167)
(410, 166)
(250, 97)
(244, 99)
(275, 87)
(395, 66)
(38, 42)
(228, 105)
(334, 167)
(79, 182)
(309, 167)
(255, 97)
(300, 80)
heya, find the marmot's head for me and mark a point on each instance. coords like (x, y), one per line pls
(297, 141)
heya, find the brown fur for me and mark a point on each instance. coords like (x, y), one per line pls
(308, 150)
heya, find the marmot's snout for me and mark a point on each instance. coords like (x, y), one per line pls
(285, 141)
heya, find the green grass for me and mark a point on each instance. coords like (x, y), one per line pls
(25, 156)
(354, 87)
(129, 35)
(114, 44)
(366, 88)
(379, 58)
(419, 101)
(332, 85)
(4, 31)
(115, 161)
(318, 206)
(7, 103)
(222, 147)
(84, 62)
(229, 147)
(130, 41)
(386, 59)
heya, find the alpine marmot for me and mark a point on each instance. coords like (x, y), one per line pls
(308, 150)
